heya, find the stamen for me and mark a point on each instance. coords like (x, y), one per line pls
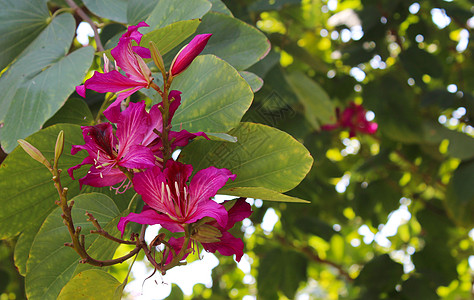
(168, 190)
(100, 173)
(185, 194)
(177, 189)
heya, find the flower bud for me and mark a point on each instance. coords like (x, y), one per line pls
(157, 58)
(207, 234)
(58, 149)
(34, 153)
(189, 52)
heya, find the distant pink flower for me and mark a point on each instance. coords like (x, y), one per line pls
(186, 56)
(130, 60)
(107, 152)
(171, 202)
(353, 118)
(214, 237)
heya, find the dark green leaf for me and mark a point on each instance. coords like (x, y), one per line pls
(280, 270)
(381, 274)
(139, 10)
(74, 111)
(460, 194)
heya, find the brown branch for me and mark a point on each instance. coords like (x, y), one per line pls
(104, 233)
(86, 18)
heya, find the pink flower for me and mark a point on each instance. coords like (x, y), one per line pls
(172, 203)
(130, 60)
(179, 139)
(214, 237)
(107, 152)
(353, 118)
(186, 56)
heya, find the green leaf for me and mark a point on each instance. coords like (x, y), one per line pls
(85, 286)
(460, 194)
(233, 40)
(260, 193)
(281, 270)
(460, 145)
(419, 62)
(74, 111)
(253, 80)
(319, 108)
(170, 11)
(262, 157)
(21, 21)
(23, 246)
(27, 193)
(139, 10)
(214, 96)
(170, 36)
(220, 7)
(224, 137)
(381, 274)
(51, 264)
(115, 10)
(39, 83)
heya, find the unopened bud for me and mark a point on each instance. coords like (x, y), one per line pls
(207, 234)
(34, 153)
(157, 58)
(189, 52)
(58, 149)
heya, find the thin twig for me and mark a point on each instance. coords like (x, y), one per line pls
(86, 18)
(104, 233)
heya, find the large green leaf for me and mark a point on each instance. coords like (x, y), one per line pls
(27, 193)
(38, 84)
(84, 286)
(319, 108)
(139, 10)
(170, 36)
(215, 96)
(170, 11)
(51, 264)
(381, 274)
(110, 9)
(260, 193)
(253, 80)
(262, 157)
(219, 6)
(233, 40)
(21, 21)
(23, 246)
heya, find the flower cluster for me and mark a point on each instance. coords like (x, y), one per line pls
(135, 147)
(353, 118)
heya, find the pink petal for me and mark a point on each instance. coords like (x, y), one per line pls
(81, 90)
(183, 137)
(142, 51)
(149, 184)
(127, 60)
(186, 56)
(112, 113)
(228, 245)
(207, 182)
(95, 179)
(133, 33)
(147, 216)
(138, 157)
(177, 172)
(132, 125)
(112, 82)
(209, 208)
(176, 244)
(238, 212)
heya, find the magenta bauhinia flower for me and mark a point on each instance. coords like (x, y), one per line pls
(130, 60)
(214, 237)
(172, 203)
(107, 152)
(189, 52)
(178, 138)
(354, 118)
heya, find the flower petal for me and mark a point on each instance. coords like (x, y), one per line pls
(209, 208)
(142, 51)
(228, 245)
(81, 90)
(100, 177)
(238, 212)
(137, 157)
(147, 216)
(149, 184)
(207, 182)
